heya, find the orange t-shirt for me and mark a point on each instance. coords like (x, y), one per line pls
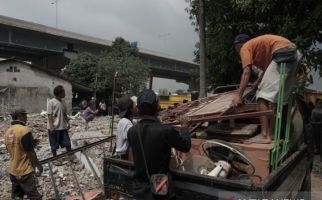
(259, 51)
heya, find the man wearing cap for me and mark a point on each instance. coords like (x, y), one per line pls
(23, 159)
(265, 53)
(157, 141)
(126, 111)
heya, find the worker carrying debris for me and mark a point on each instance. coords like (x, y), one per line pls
(265, 53)
(23, 159)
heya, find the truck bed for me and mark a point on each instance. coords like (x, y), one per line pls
(286, 181)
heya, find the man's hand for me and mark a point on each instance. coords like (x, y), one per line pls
(253, 89)
(36, 142)
(237, 100)
(39, 170)
(51, 130)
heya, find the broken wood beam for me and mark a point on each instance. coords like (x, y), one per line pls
(228, 117)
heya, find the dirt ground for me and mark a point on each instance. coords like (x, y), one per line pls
(316, 179)
(38, 125)
(63, 175)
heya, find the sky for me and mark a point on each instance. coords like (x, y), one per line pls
(317, 81)
(158, 25)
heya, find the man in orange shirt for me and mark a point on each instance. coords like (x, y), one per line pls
(265, 53)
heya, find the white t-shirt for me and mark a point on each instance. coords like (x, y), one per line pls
(102, 106)
(58, 111)
(121, 138)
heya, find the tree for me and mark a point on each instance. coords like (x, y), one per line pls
(98, 71)
(298, 20)
(123, 58)
(82, 69)
(202, 48)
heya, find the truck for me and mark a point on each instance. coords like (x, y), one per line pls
(166, 101)
(222, 163)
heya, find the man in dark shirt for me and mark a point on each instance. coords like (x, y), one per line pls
(23, 159)
(157, 140)
(316, 121)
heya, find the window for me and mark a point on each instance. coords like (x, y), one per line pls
(13, 69)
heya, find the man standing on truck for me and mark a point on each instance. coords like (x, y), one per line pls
(266, 52)
(157, 141)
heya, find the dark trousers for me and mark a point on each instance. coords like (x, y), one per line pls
(24, 185)
(59, 138)
(317, 132)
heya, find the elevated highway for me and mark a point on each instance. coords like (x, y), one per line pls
(53, 48)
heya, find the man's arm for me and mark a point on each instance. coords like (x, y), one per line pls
(256, 83)
(243, 84)
(50, 117)
(126, 129)
(51, 123)
(182, 141)
(27, 142)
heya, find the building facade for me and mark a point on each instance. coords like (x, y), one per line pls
(28, 86)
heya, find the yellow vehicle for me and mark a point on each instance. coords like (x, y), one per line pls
(167, 101)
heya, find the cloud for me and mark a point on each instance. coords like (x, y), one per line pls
(159, 25)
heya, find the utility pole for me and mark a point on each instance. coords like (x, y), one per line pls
(112, 111)
(202, 49)
(56, 7)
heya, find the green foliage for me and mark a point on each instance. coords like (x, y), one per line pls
(122, 58)
(82, 69)
(298, 20)
(132, 73)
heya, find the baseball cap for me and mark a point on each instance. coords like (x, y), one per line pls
(124, 103)
(147, 96)
(241, 38)
(18, 111)
(147, 102)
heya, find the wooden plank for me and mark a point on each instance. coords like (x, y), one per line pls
(217, 106)
(239, 129)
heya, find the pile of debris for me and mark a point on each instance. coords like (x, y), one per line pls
(216, 116)
(71, 175)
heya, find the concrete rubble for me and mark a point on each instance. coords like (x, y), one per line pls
(64, 178)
